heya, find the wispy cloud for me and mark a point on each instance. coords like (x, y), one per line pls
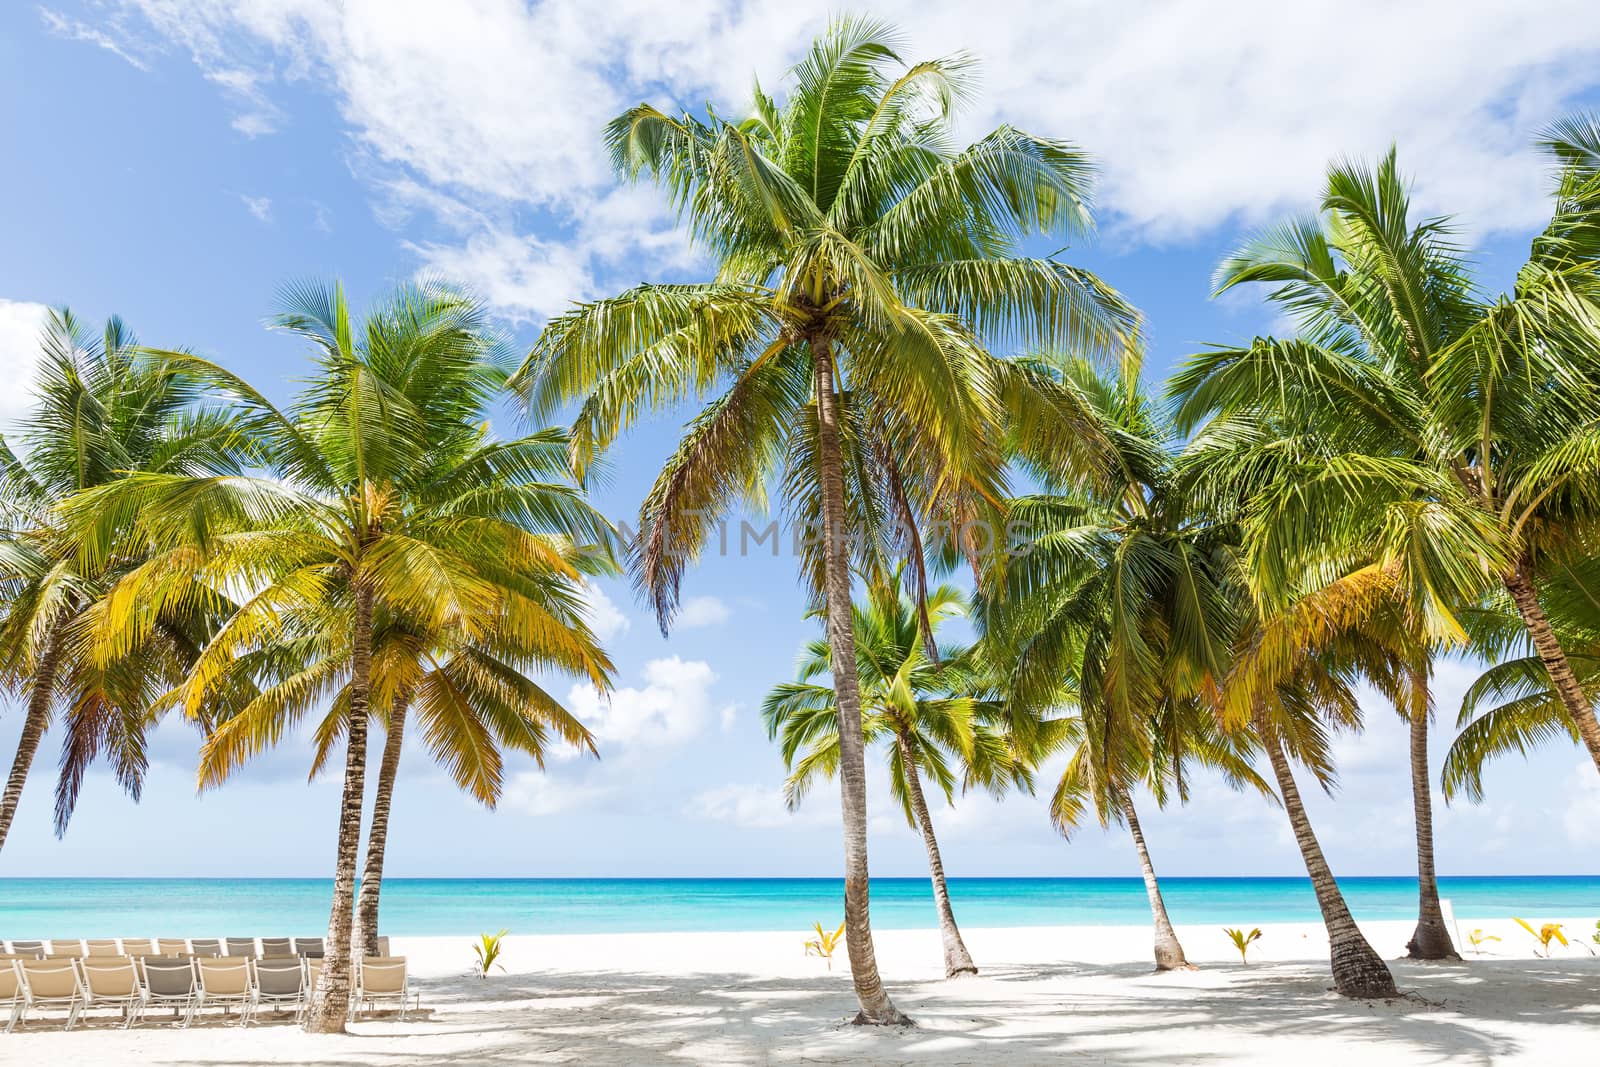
(703, 611)
(756, 807)
(259, 206)
(78, 30)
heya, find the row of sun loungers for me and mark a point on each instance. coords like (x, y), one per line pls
(186, 984)
(249, 947)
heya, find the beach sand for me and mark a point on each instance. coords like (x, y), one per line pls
(1054, 994)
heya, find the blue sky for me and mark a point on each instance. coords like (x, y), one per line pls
(175, 161)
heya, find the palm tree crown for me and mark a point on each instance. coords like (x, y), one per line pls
(104, 409)
(388, 510)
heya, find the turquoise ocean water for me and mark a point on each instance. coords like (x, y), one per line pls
(117, 907)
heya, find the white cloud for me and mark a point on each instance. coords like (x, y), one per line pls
(259, 206)
(521, 277)
(1200, 115)
(757, 807)
(673, 705)
(703, 611)
(538, 793)
(605, 618)
(20, 325)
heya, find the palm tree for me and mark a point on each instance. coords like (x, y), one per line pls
(1293, 678)
(355, 521)
(1427, 401)
(1364, 437)
(471, 699)
(103, 409)
(931, 719)
(1119, 594)
(861, 264)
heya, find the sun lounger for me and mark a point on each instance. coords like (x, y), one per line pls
(241, 946)
(140, 946)
(277, 947)
(309, 947)
(382, 978)
(105, 946)
(171, 946)
(50, 984)
(281, 983)
(170, 982)
(205, 946)
(63, 948)
(10, 991)
(113, 981)
(224, 983)
(26, 948)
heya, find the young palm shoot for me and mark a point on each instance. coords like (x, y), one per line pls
(1242, 941)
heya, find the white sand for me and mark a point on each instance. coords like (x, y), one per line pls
(1074, 994)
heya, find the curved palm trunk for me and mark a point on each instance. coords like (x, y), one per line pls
(957, 961)
(1555, 661)
(33, 727)
(1169, 953)
(378, 834)
(1431, 940)
(331, 1004)
(1357, 969)
(876, 1007)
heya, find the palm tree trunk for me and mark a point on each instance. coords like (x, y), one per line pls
(876, 1007)
(378, 832)
(1554, 657)
(1169, 953)
(957, 960)
(331, 1005)
(1357, 969)
(1431, 940)
(33, 727)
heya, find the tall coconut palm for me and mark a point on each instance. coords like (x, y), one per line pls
(1365, 448)
(862, 264)
(472, 701)
(931, 720)
(102, 409)
(1427, 397)
(354, 521)
(1244, 463)
(1119, 592)
(1293, 678)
